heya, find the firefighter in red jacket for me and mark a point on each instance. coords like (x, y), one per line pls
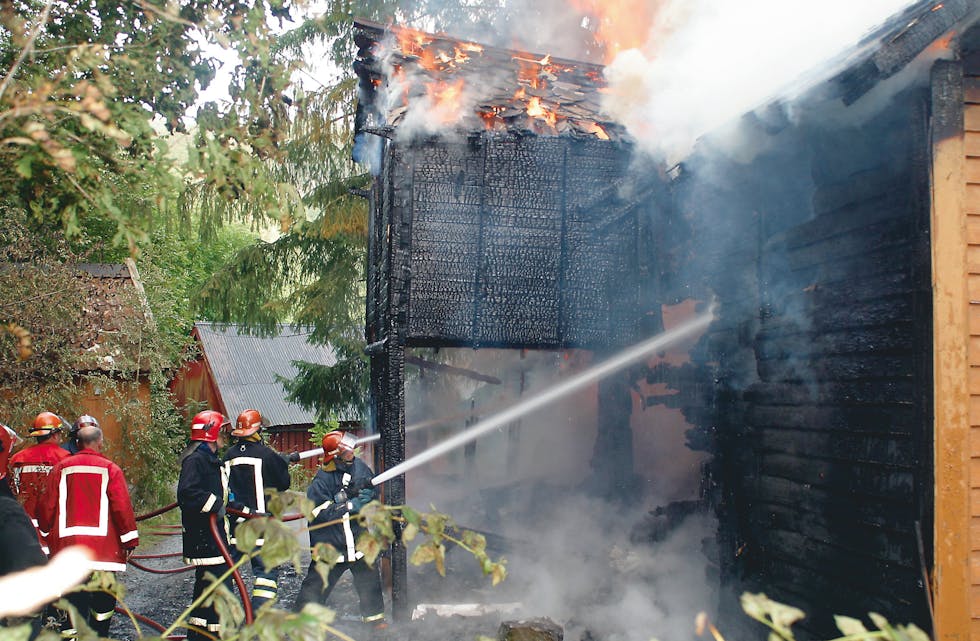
(29, 468)
(86, 502)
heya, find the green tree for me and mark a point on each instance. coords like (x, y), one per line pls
(82, 338)
(89, 86)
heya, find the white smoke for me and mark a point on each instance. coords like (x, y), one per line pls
(710, 61)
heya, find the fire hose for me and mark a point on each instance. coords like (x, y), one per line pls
(226, 555)
(220, 540)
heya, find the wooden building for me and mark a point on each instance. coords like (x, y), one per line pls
(112, 322)
(234, 371)
(837, 389)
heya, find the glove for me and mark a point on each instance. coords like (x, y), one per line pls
(336, 511)
(340, 497)
(293, 457)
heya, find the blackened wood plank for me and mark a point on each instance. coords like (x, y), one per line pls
(884, 202)
(888, 513)
(875, 393)
(872, 449)
(885, 419)
(861, 480)
(838, 368)
(892, 232)
(883, 311)
(840, 529)
(813, 295)
(796, 342)
(882, 184)
(863, 542)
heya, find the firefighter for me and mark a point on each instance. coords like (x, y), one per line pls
(71, 444)
(19, 550)
(87, 503)
(29, 468)
(252, 467)
(341, 487)
(8, 441)
(202, 491)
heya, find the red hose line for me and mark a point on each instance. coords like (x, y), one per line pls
(140, 566)
(255, 515)
(157, 556)
(149, 515)
(150, 622)
(246, 601)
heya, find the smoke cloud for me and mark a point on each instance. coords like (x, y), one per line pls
(709, 61)
(601, 566)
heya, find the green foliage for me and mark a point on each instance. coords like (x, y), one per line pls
(779, 618)
(90, 85)
(75, 352)
(321, 428)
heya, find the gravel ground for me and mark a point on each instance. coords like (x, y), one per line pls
(162, 597)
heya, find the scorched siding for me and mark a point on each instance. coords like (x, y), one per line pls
(823, 390)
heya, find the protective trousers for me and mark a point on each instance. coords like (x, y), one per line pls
(367, 582)
(95, 608)
(205, 617)
(265, 581)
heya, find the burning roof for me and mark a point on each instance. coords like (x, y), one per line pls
(411, 80)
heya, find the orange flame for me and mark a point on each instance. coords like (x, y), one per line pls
(411, 41)
(536, 110)
(621, 24)
(446, 100)
(596, 128)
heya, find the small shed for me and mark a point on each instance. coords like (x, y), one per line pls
(234, 371)
(116, 309)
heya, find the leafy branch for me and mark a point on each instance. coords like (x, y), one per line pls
(779, 618)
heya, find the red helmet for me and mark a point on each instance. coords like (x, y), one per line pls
(206, 426)
(336, 442)
(249, 422)
(44, 424)
(8, 440)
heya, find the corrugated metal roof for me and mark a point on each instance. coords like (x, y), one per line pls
(245, 369)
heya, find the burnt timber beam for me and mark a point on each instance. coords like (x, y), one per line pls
(421, 363)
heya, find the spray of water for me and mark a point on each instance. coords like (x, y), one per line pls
(621, 360)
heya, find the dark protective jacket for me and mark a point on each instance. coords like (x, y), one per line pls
(87, 503)
(252, 467)
(19, 547)
(329, 480)
(201, 491)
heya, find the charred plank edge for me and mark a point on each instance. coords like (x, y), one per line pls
(449, 369)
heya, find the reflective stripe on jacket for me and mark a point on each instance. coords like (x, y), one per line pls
(87, 503)
(201, 491)
(252, 467)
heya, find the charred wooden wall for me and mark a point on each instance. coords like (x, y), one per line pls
(822, 355)
(501, 241)
(511, 241)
